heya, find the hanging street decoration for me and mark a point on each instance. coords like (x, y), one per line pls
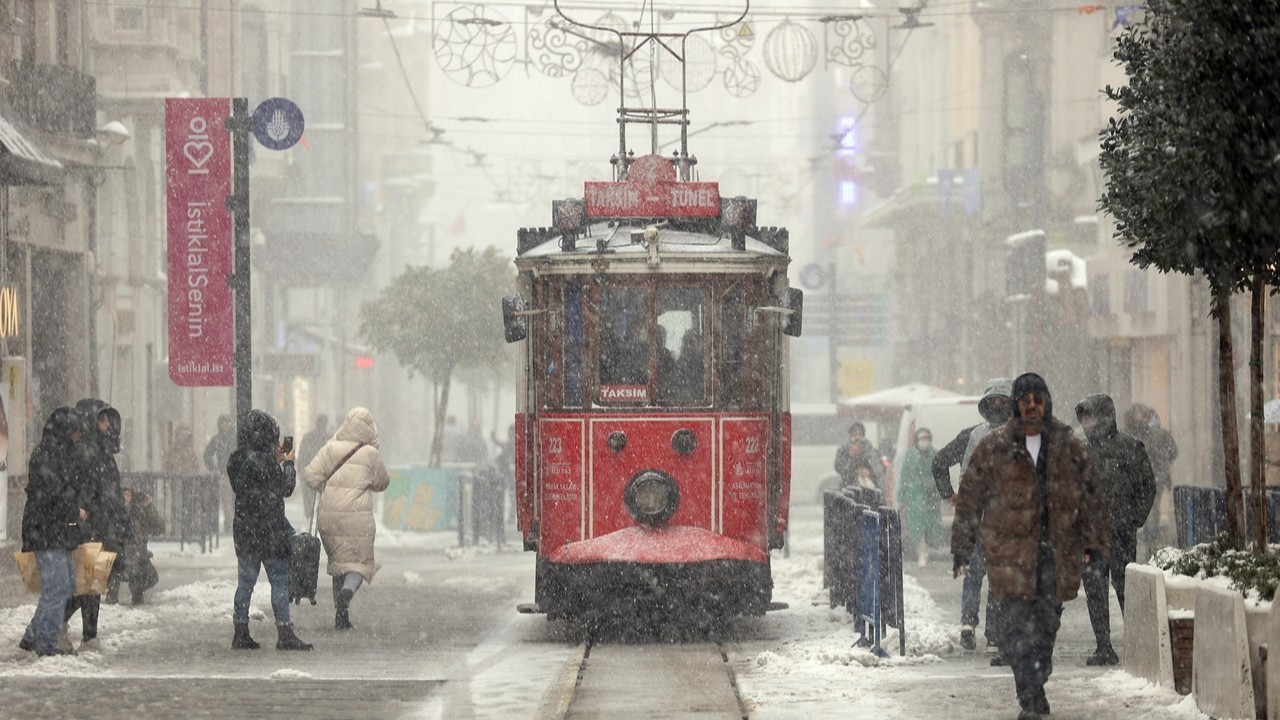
(478, 44)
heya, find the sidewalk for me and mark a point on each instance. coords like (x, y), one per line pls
(802, 664)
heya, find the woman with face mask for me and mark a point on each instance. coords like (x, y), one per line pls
(918, 500)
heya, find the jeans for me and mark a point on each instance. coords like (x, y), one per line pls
(277, 575)
(971, 595)
(57, 582)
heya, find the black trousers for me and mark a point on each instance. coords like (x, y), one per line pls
(88, 606)
(1124, 550)
(1030, 631)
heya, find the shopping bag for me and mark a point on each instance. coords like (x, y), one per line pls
(29, 570)
(83, 559)
(102, 565)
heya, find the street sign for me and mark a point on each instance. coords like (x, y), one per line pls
(651, 190)
(278, 123)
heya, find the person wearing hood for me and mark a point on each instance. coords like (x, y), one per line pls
(262, 476)
(1032, 493)
(346, 473)
(1129, 485)
(102, 496)
(921, 518)
(995, 409)
(51, 525)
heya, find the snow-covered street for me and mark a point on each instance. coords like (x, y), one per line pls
(437, 636)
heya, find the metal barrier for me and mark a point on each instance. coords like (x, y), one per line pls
(481, 491)
(188, 504)
(1200, 513)
(862, 563)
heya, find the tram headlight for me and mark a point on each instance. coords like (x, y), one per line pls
(652, 497)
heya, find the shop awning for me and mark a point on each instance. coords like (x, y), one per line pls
(22, 160)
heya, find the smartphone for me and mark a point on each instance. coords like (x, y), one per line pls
(287, 446)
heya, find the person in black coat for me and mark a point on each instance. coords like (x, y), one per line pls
(51, 525)
(1129, 484)
(262, 476)
(101, 496)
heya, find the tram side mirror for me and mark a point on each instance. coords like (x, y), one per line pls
(793, 300)
(515, 326)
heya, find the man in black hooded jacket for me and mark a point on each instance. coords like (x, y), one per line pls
(1129, 484)
(102, 497)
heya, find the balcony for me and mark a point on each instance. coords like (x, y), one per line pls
(54, 99)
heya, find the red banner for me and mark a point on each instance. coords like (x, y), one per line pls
(201, 312)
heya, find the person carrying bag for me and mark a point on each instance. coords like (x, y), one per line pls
(345, 474)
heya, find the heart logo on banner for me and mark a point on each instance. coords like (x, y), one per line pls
(198, 152)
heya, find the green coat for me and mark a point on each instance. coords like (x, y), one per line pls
(919, 501)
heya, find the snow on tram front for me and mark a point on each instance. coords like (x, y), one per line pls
(653, 432)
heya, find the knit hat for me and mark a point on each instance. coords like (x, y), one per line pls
(1027, 383)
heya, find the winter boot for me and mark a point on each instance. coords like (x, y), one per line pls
(288, 641)
(999, 660)
(137, 599)
(966, 638)
(241, 639)
(1104, 655)
(342, 603)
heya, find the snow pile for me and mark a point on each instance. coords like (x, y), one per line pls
(481, 585)
(290, 674)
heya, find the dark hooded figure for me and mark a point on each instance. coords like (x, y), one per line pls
(995, 409)
(1035, 497)
(1129, 484)
(51, 524)
(262, 476)
(101, 497)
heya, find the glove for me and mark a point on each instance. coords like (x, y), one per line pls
(1091, 556)
(960, 567)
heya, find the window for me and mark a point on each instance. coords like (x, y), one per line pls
(129, 19)
(682, 345)
(624, 344)
(733, 365)
(573, 345)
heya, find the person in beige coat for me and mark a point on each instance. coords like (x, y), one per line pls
(345, 474)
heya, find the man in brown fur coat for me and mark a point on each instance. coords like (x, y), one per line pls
(1032, 492)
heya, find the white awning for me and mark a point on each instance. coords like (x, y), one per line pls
(23, 161)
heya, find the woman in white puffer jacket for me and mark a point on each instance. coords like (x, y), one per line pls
(345, 474)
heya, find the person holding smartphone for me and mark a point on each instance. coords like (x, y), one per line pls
(262, 476)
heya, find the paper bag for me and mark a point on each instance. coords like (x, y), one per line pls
(29, 570)
(102, 570)
(84, 559)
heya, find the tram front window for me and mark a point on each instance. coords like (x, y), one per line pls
(682, 353)
(624, 337)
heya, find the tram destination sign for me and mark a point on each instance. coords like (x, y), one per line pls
(652, 190)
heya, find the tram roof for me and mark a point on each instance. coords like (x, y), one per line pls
(673, 241)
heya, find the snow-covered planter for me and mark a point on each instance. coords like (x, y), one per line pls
(1253, 577)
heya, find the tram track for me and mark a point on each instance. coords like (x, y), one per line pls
(657, 679)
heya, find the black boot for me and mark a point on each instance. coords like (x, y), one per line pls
(241, 639)
(1104, 655)
(342, 618)
(286, 640)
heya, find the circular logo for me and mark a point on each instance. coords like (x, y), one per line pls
(278, 123)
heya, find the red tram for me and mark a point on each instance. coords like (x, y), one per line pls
(653, 436)
(653, 432)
